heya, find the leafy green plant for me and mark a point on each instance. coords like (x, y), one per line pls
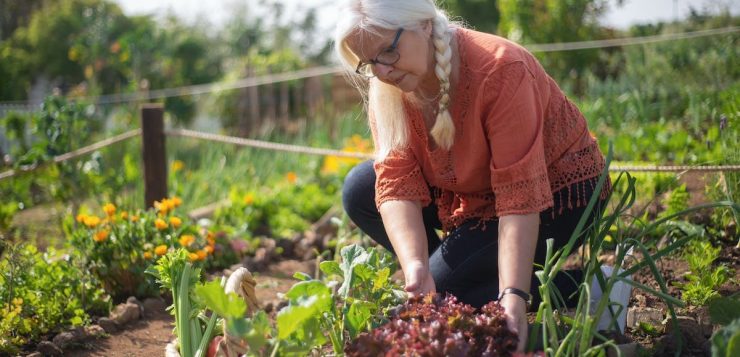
(726, 341)
(42, 293)
(703, 280)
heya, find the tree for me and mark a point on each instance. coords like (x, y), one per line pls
(482, 15)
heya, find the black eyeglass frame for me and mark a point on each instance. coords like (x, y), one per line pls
(393, 48)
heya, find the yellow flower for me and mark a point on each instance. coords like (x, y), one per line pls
(80, 217)
(162, 206)
(175, 222)
(109, 209)
(91, 221)
(186, 240)
(160, 250)
(147, 255)
(160, 224)
(201, 254)
(331, 165)
(101, 236)
(124, 215)
(17, 301)
(608, 238)
(193, 257)
(134, 218)
(248, 199)
(208, 249)
(177, 165)
(291, 177)
(176, 201)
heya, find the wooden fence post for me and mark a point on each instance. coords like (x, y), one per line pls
(153, 153)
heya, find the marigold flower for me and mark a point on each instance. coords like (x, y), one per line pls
(101, 235)
(208, 249)
(160, 224)
(176, 201)
(175, 222)
(186, 240)
(147, 255)
(291, 177)
(177, 165)
(109, 209)
(201, 254)
(80, 217)
(160, 250)
(134, 218)
(193, 257)
(248, 199)
(124, 215)
(162, 206)
(170, 204)
(91, 221)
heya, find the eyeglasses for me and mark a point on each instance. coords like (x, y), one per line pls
(388, 57)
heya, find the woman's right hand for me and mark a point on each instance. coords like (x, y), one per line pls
(419, 280)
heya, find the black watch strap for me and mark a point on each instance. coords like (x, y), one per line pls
(518, 292)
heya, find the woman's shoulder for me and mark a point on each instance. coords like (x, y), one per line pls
(485, 53)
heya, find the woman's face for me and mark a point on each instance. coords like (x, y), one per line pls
(415, 62)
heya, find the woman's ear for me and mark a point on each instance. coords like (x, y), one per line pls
(427, 27)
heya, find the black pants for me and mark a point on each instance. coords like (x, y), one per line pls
(465, 264)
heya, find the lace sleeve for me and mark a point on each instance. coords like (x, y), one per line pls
(514, 122)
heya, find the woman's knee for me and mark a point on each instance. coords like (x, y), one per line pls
(358, 190)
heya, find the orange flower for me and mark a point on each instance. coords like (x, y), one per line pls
(176, 201)
(147, 255)
(291, 177)
(248, 199)
(201, 254)
(124, 215)
(175, 222)
(109, 209)
(160, 224)
(134, 218)
(91, 221)
(160, 250)
(80, 217)
(163, 206)
(101, 236)
(186, 240)
(193, 257)
(208, 249)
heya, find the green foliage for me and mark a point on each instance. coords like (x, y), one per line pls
(43, 293)
(482, 15)
(703, 279)
(723, 310)
(726, 341)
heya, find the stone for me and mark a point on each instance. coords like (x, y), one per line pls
(628, 349)
(134, 300)
(648, 315)
(108, 325)
(65, 339)
(35, 354)
(48, 348)
(125, 313)
(154, 306)
(94, 331)
(690, 330)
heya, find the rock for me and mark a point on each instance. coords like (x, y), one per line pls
(125, 313)
(134, 300)
(94, 331)
(648, 315)
(35, 354)
(108, 325)
(153, 306)
(48, 348)
(64, 339)
(628, 349)
(690, 330)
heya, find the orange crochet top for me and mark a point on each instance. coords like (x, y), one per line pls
(518, 140)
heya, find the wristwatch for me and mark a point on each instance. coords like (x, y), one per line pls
(518, 292)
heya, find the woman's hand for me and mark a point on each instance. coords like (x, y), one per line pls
(418, 279)
(515, 312)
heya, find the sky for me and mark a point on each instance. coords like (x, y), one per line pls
(218, 11)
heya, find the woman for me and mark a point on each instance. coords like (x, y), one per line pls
(472, 137)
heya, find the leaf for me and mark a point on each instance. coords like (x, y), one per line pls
(381, 280)
(212, 295)
(301, 276)
(307, 300)
(255, 330)
(723, 310)
(352, 255)
(330, 267)
(357, 317)
(726, 341)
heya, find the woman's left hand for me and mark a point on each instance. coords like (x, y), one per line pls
(515, 311)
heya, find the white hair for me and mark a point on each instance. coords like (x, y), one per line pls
(385, 100)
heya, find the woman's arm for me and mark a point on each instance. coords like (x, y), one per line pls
(405, 227)
(517, 240)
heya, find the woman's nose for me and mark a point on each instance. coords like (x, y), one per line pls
(382, 70)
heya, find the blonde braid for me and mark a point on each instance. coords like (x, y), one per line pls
(443, 130)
